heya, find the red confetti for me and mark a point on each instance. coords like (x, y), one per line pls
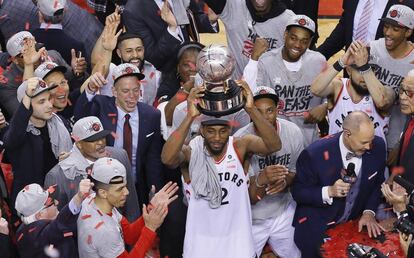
(72, 186)
(258, 197)
(20, 237)
(234, 123)
(99, 224)
(86, 216)
(151, 74)
(100, 213)
(69, 102)
(89, 240)
(112, 114)
(90, 201)
(68, 234)
(48, 26)
(27, 26)
(3, 16)
(303, 220)
(55, 4)
(181, 96)
(114, 135)
(159, 12)
(331, 223)
(306, 114)
(143, 81)
(326, 155)
(113, 121)
(32, 229)
(398, 170)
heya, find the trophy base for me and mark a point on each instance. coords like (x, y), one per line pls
(219, 104)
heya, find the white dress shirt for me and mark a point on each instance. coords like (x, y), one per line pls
(119, 140)
(356, 160)
(378, 10)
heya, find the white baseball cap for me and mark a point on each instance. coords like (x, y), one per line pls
(40, 88)
(126, 70)
(50, 7)
(265, 92)
(48, 67)
(32, 199)
(89, 129)
(400, 15)
(15, 44)
(301, 21)
(105, 169)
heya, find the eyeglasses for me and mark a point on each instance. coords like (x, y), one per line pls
(409, 94)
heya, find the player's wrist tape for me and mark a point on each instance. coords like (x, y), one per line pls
(256, 180)
(364, 68)
(338, 65)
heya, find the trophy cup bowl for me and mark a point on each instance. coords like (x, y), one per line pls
(223, 96)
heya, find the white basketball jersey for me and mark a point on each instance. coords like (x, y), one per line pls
(344, 105)
(225, 232)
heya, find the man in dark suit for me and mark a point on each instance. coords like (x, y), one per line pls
(325, 195)
(164, 31)
(53, 35)
(135, 125)
(342, 35)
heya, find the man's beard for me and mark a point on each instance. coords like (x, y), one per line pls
(359, 89)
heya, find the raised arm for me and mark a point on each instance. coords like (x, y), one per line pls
(382, 96)
(174, 151)
(269, 141)
(324, 85)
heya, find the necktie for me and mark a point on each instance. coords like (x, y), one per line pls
(128, 137)
(407, 137)
(362, 30)
(350, 155)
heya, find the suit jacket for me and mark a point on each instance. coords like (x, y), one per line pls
(341, 36)
(59, 40)
(407, 161)
(148, 158)
(142, 17)
(60, 232)
(313, 171)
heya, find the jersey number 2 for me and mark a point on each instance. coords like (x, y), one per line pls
(223, 197)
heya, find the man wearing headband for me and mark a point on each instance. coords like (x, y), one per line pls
(217, 186)
(46, 230)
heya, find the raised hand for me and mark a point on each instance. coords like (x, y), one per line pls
(85, 187)
(165, 195)
(260, 46)
(110, 36)
(97, 81)
(29, 53)
(193, 99)
(168, 16)
(359, 53)
(247, 93)
(78, 64)
(154, 218)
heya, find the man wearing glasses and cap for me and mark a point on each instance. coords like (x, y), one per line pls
(36, 136)
(90, 145)
(45, 230)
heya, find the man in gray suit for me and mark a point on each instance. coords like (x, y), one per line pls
(90, 145)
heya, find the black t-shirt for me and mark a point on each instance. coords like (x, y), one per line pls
(49, 159)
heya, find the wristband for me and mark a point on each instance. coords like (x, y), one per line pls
(337, 66)
(89, 88)
(364, 68)
(257, 182)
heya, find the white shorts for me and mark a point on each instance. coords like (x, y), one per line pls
(278, 232)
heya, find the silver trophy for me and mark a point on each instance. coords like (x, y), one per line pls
(223, 96)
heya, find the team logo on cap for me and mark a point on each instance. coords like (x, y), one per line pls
(96, 127)
(42, 84)
(302, 22)
(393, 13)
(263, 92)
(128, 70)
(50, 66)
